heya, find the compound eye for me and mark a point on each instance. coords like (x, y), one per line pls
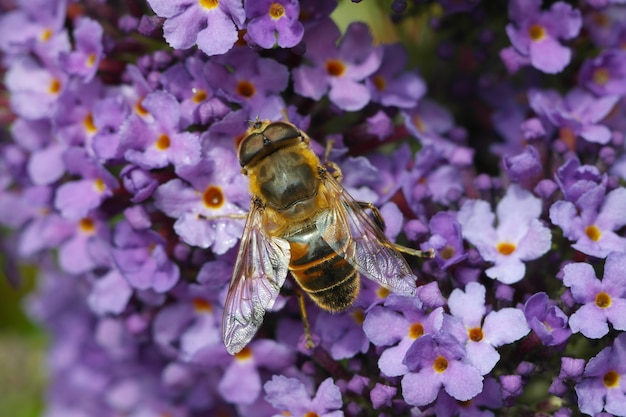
(250, 146)
(278, 131)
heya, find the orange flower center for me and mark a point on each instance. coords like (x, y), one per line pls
(245, 89)
(593, 232)
(209, 4)
(506, 248)
(416, 330)
(611, 379)
(440, 364)
(213, 197)
(536, 32)
(475, 334)
(603, 300)
(335, 67)
(276, 11)
(163, 142)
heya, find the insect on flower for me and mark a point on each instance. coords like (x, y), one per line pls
(302, 220)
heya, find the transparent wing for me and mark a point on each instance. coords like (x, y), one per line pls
(369, 250)
(259, 273)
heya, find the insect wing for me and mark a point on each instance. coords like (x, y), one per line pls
(259, 273)
(369, 250)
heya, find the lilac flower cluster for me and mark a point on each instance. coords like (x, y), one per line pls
(505, 153)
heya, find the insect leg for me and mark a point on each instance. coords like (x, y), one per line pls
(226, 216)
(380, 222)
(309, 343)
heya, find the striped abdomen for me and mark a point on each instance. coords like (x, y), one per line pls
(326, 276)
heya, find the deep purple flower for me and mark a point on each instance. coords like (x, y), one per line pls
(391, 85)
(603, 301)
(605, 74)
(253, 82)
(273, 23)
(602, 387)
(445, 239)
(290, 395)
(518, 237)
(480, 332)
(338, 69)
(489, 399)
(578, 111)
(212, 25)
(536, 34)
(546, 319)
(438, 362)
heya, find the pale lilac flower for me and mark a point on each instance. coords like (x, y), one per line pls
(204, 197)
(212, 25)
(578, 111)
(480, 332)
(603, 301)
(438, 362)
(88, 50)
(602, 387)
(518, 237)
(290, 395)
(593, 220)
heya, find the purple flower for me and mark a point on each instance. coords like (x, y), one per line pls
(390, 85)
(603, 301)
(342, 334)
(35, 26)
(546, 319)
(88, 50)
(445, 239)
(578, 111)
(34, 89)
(602, 387)
(252, 82)
(605, 74)
(157, 140)
(210, 24)
(481, 333)
(75, 199)
(536, 34)
(241, 383)
(142, 260)
(338, 70)
(273, 23)
(436, 362)
(398, 326)
(290, 395)
(592, 220)
(110, 294)
(518, 237)
(490, 398)
(214, 190)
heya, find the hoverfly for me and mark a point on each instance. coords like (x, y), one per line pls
(302, 220)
